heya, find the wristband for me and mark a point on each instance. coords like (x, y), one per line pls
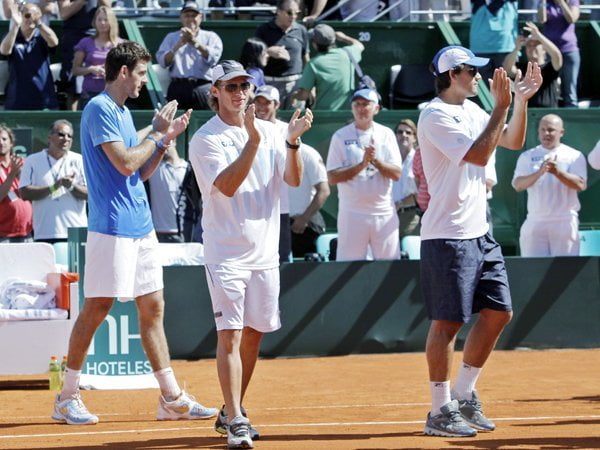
(293, 146)
(51, 188)
(162, 145)
(156, 143)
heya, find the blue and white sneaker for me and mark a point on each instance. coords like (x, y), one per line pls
(185, 407)
(72, 411)
(449, 423)
(472, 412)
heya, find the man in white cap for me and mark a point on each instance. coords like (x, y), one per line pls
(302, 203)
(462, 267)
(189, 54)
(331, 72)
(552, 173)
(363, 161)
(240, 163)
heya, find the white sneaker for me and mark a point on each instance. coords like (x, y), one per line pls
(238, 433)
(72, 411)
(221, 424)
(184, 407)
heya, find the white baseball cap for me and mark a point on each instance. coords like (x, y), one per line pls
(271, 93)
(455, 55)
(367, 94)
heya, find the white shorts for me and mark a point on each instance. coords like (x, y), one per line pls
(244, 298)
(121, 267)
(357, 232)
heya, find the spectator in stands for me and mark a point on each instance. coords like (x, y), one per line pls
(28, 44)
(254, 58)
(537, 48)
(53, 180)
(267, 104)
(190, 54)
(299, 205)
(91, 51)
(287, 47)
(421, 182)
(77, 16)
(15, 213)
(363, 161)
(167, 199)
(594, 157)
(49, 9)
(493, 32)
(404, 191)
(558, 18)
(359, 10)
(553, 173)
(312, 9)
(331, 72)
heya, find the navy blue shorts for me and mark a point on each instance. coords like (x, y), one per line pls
(462, 277)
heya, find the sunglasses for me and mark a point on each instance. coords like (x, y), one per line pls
(64, 135)
(408, 132)
(233, 87)
(469, 69)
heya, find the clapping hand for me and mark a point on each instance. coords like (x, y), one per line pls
(299, 125)
(526, 87)
(500, 88)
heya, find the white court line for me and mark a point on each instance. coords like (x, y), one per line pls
(285, 425)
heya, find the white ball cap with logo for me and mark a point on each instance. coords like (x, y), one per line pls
(455, 55)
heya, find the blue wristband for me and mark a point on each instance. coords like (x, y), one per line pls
(150, 138)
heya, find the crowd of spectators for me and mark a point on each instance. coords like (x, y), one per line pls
(294, 62)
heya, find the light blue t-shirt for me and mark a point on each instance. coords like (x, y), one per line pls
(118, 205)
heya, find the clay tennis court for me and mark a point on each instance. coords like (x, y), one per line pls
(540, 400)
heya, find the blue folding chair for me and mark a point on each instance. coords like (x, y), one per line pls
(323, 243)
(412, 246)
(589, 243)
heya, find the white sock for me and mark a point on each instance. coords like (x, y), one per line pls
(70, 383)
(168, 384)
(440, 395)
(465, 381)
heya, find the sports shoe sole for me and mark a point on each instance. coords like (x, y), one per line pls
(244, 444)
(477, 427)
(435, 432)
(68, 422)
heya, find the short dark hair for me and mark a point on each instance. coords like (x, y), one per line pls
(127, 54)
(282, 3)
(252, 50)
(323, 48)
(442, 81)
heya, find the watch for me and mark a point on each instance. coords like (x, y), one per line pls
(293, 146)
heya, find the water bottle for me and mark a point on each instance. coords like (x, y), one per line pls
(54, 374)
(63, 367)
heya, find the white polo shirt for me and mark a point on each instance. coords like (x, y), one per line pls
(369, 192)
(457, 207)
(241, 231)
(548, 197)
(53, 215)
(314, 173)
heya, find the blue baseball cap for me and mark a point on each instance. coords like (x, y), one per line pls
(455, 55)
(367, 94)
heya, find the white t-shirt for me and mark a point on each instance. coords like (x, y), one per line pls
(369, 192)
(165, 191)
(53, 215)
(490, 173)
(243, 230)
(285, 203)
(313, 174)
(457, 207)
(406, 185)
(594, 157)
(548, 198)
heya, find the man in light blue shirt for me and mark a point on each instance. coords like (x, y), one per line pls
(189, 54)
(121, 254)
